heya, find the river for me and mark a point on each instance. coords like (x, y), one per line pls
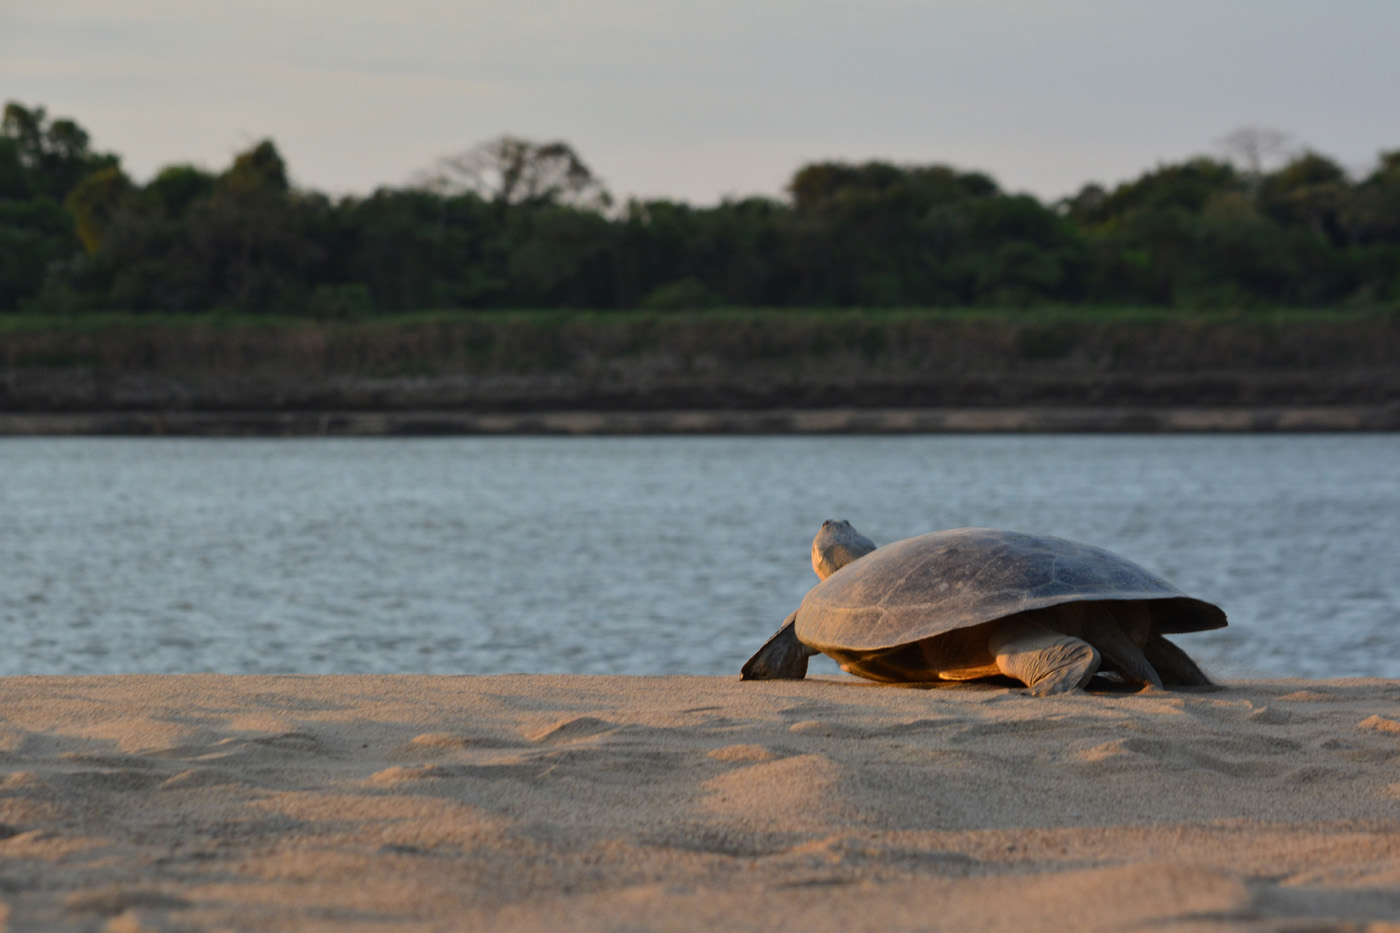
(649, 555)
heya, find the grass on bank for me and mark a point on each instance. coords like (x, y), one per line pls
(973, 341)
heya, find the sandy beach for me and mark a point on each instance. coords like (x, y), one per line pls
(612, 803)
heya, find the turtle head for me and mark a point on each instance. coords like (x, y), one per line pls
(836, 545)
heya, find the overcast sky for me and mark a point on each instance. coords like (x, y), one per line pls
(704, 99)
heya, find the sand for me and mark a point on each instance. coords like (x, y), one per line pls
(618, 803)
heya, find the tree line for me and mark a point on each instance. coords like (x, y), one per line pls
(514, 224)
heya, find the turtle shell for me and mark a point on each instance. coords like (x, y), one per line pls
(948, 580)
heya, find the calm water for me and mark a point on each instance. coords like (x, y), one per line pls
(631, 556)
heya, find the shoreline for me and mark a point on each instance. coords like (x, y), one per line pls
(776, 421)
(541, 802)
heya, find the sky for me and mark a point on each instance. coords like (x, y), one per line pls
(707, 99)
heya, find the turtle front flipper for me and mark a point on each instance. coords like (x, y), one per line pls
(1047, 662)
(782, 657)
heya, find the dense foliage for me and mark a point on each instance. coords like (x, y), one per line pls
(519, 224)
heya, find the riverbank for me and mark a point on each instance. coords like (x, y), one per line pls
(720, 371)
(539, 802)
(698, 422)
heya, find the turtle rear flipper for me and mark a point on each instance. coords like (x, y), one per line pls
(782, 657)
(1175, 666)
(1120, 654)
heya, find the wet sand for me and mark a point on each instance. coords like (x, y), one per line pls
(538, 802)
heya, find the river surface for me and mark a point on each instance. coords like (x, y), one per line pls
(648, 555)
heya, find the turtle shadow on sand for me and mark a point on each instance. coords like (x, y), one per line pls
(976, 603)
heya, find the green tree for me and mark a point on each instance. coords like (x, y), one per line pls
(1142, 236)
(192, 241)
(1372, 219)
(419, 249)
(883, 234)
(176, 187)
(95, 201)
(41, 161)
(1310, 191)
(36, 241)
(248, 234)
(561, 257)
(54, 154)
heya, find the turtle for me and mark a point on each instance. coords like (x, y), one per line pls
(971, 603)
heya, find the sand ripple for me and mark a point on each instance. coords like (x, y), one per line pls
(540, 803)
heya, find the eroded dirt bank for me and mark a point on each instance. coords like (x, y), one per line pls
(749, 373)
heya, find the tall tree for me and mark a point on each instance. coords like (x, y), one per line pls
(55, 154)
(95, 202)
(509, 171)
(41, 161)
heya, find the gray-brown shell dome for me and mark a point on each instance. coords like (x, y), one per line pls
(935, 583)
